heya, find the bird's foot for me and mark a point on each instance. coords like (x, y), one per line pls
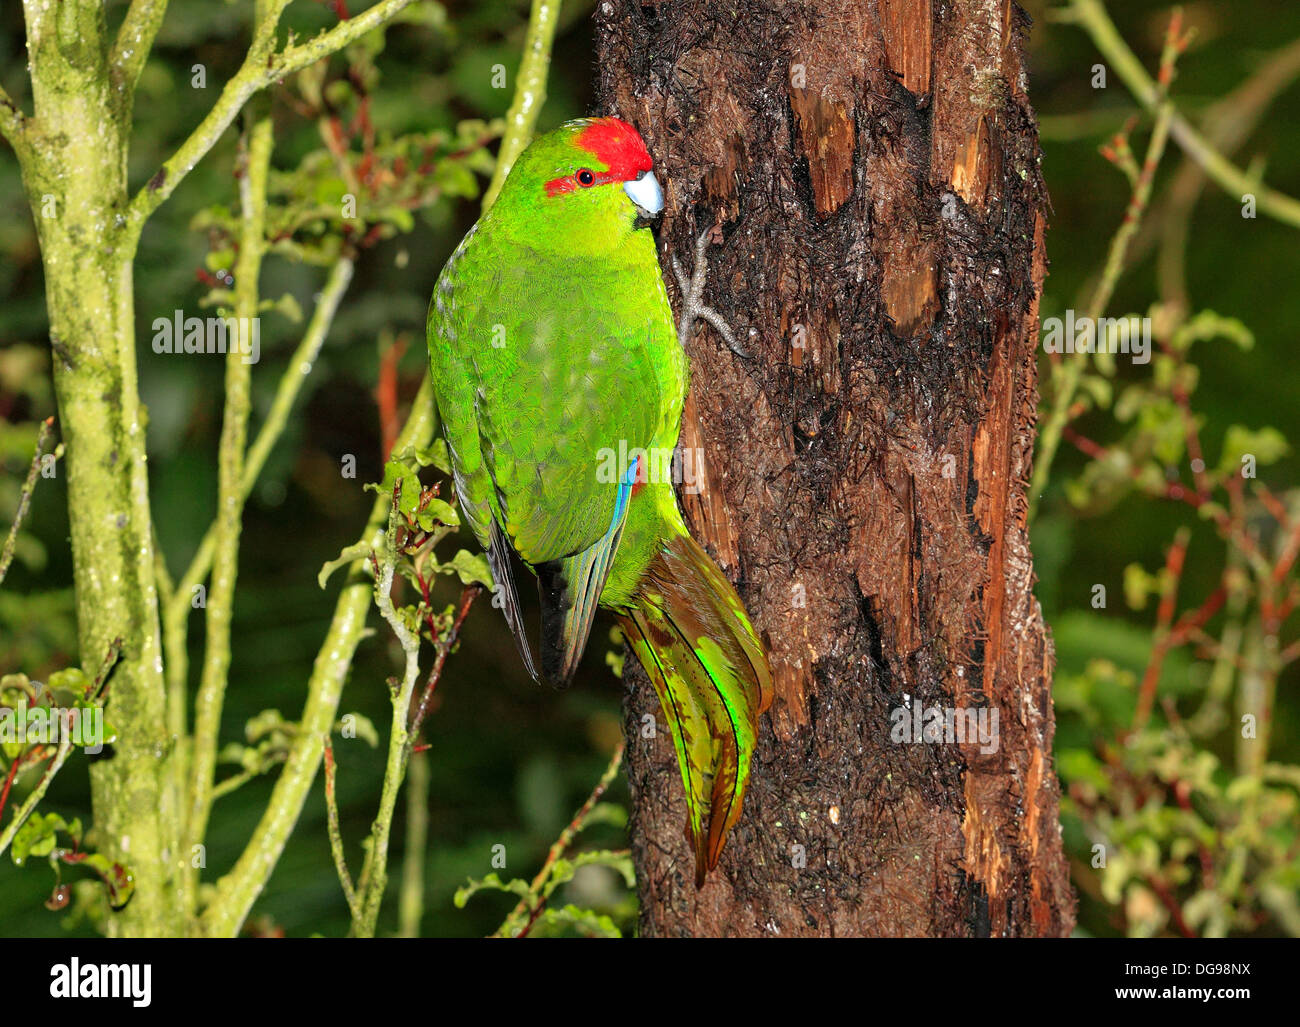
(693, 305)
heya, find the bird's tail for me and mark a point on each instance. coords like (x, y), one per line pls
(690, 631)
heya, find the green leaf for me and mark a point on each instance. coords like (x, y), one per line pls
(427, 13)
(222, 259)
(1208, 325)
(118, 880)
(471, 568)
(362, 725)
(395, 472)
(268, 722)
(288, 306)
(1266, 445)
(614, 661)
(15, 688)
(1099, 388)
(435, 512)
(585, 921)
(70, 679)
(620, 860)
(1139, 585)
(492, 882)
(606, 813)
(35, 838)
(435, 455)
(351, 554)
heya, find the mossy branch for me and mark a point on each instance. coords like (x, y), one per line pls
(262, 66)
(135, 39)
(238, 890)
(13, 126)
(374, 873)
(410, 902)
(210, 699)
(336, 836)
(530, 92)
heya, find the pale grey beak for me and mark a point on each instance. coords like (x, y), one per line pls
(645, 193)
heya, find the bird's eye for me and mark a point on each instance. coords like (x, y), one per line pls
(585, 177)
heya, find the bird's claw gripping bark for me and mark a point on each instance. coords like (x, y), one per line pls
(693, 305)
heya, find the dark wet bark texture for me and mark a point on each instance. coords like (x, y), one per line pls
(870, 171)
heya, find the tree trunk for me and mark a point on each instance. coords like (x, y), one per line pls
(75, 177)
(870, 171)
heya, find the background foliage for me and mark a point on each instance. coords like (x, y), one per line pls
(1194, 844)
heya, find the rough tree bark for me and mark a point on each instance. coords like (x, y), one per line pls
(871, 170)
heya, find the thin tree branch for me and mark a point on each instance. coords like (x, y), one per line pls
(445, 646)
(1229, 124)
(1068, 373)
(1091, 16)
(238, 890)
(230, 496)
(261, 67)
(532, 903)
(336, 836)
(530, 92)
(374, 872)
(135, 40)
(13, 125)
(25, 497)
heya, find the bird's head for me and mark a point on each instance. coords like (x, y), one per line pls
(585, 186)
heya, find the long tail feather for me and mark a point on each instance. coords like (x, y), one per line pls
(690, 631)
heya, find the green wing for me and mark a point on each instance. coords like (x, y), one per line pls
(548, 376)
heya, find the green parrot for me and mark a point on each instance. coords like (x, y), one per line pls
(560, 380)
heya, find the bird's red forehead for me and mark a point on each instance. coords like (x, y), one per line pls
(617, 145)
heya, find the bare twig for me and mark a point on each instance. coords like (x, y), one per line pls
(532, 903)
(25, 496)
(336, 835)
(209, 701)
(1068, 373)
(1091, 16)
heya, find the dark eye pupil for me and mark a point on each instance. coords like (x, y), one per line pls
(586, 177)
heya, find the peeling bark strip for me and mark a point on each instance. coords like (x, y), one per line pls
(872, 173)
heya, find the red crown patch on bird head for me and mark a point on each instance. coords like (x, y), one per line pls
(617, 145)
(614, 143)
